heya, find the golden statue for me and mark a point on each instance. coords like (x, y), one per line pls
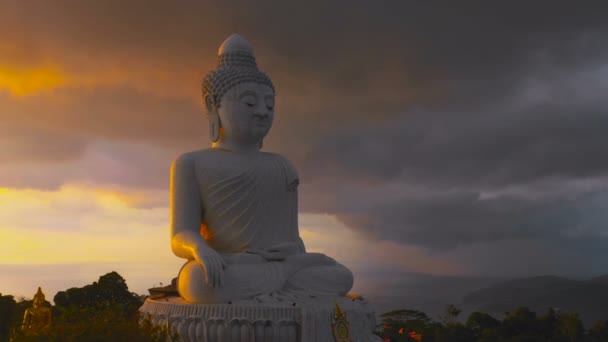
(37, 319)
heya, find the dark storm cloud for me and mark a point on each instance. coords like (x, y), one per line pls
(45, 130)
(451, 219)
(451, 160)
(521, 102)
(489, 147)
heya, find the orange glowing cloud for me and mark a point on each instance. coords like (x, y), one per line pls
(28, 81)
(145, 76)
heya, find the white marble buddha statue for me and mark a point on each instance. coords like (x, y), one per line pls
(234, 208)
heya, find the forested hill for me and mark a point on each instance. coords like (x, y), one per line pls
(589, 297)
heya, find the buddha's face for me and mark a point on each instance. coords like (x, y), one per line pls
(246, 113)
(38, 301)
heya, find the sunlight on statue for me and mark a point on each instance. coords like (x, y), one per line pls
(234, 209)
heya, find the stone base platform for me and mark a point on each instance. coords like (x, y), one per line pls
(263, 322)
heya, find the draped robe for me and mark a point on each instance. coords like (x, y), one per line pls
(246, 208)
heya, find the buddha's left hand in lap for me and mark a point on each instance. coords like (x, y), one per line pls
(278, 252)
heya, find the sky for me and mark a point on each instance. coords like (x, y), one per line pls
(433, 138)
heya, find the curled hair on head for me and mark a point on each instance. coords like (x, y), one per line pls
(233, 68)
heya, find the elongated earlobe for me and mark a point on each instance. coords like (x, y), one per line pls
(214, 127)
(214, 119)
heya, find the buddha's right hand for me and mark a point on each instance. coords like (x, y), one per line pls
(213, 264)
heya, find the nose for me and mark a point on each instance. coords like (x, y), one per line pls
(261, 111)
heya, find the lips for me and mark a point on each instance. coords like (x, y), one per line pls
(262, 122)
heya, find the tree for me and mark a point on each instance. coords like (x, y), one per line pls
(102, 311)
(397, 324)
(451, 314)
(548, 326)
(483, 326)
(599, 332)
(452, 332)
(570, 326)
(405, 315)
(8, 310)
(521, 323)
(110, 288)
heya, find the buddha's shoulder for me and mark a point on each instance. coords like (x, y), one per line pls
(212, 158)
(213, 153)
(291, 170)
(275, 156)
(278, 158)
(192, 158)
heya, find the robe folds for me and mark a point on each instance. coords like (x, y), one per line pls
(246, 208)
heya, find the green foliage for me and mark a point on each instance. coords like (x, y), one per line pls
(599, 332)
(483, 326)
(8, 310)
(405, 315)
(99, 312)
(396, 324)
(451, 314)
(107, 311)
(569, 327)
(97, 324)
(110, 288)
(451, 332)
(521, 325)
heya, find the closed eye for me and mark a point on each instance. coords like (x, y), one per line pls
(249, 100)
(269, 102)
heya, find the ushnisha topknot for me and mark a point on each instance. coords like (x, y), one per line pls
(236, 64)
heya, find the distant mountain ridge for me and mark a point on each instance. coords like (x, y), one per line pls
(601, 279)
(588, 298)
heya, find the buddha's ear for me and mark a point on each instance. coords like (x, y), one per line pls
(215, 127)
(210, 104)
(214, 118)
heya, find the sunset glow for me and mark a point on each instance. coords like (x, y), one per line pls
(89, 224)
(78, 224)
(437, 148)
(28, 81)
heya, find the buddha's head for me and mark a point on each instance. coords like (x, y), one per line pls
(239, 98)
(39, 299)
